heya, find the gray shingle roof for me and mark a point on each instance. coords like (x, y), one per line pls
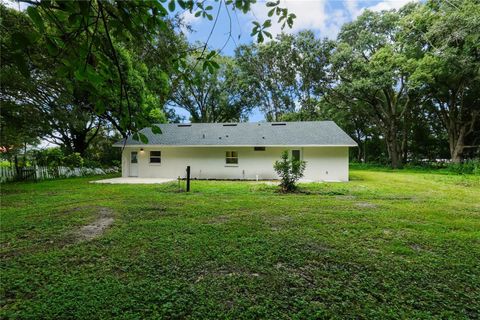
(306, 133)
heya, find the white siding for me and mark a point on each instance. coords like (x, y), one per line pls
(323, 163)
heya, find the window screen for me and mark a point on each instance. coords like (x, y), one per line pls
(155, 156)
(231, 157)
(296, 155)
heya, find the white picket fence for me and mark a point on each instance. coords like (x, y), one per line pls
(45, 173)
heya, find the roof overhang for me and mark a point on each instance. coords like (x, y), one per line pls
(224, 146)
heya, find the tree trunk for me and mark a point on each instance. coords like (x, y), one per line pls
(80, 144)
(394, 149)
(457, 145)
(457, 119)
(365, 149)
(24, 165)
(405, 132)
(395, 157)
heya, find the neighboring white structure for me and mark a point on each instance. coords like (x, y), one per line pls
(238, 150)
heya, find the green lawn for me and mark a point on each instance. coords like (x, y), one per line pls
(385, 245)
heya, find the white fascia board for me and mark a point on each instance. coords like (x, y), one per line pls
(224, 146)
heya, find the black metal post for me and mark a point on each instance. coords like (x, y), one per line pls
(188, 178)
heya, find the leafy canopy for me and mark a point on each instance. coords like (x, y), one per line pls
(88, 38)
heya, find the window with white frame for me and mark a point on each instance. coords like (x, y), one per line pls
(296, 155)
(231, 157)
(155, 156)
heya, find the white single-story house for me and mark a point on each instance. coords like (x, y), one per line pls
(237, 150)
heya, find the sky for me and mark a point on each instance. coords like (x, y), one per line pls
(324, 17)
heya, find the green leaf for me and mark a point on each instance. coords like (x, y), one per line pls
(93, 77)
(156, 130)
(273, 4)
(80, 74)
(143, 138)
(260, 37)
(182, 4)
(211, 54)
(271, 12)
(36, 18)
(21, 64)
(74, 20)
(99, 107)
(84, 8)
(171, 5)
(20, 40)
(51, 46)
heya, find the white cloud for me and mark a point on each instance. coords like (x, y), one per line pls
(352, 8)
(20, 6)
(189, 20)
(322, 16)
(189, 17)
(311, 14)
(389, 5)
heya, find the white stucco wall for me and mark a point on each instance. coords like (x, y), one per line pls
(323, 163)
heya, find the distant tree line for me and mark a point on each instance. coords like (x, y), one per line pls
(405, 84)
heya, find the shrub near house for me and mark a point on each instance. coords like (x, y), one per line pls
(290, 170)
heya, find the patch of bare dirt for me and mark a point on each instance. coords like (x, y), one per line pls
(218, 219)
(225, 273)
(366, 205)
(303, 273)
(419, 248)
(270, 183)
(345, 197)
(277, 223)
(96, 228)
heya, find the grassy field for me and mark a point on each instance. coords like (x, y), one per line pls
(385, 245)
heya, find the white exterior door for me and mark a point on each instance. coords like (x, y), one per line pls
(133, 169)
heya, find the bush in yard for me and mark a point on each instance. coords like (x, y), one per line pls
(51, 157)
(290, 171)
(73, 160)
